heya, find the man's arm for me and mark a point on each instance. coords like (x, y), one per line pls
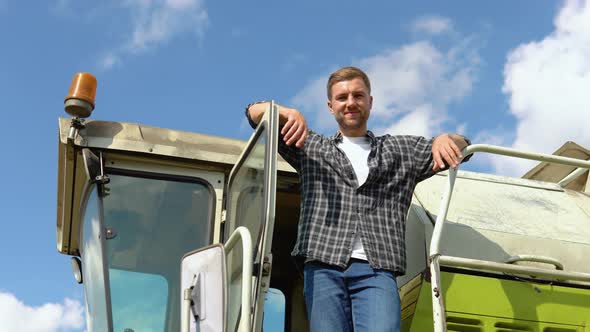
(294, 124)
(446, 149)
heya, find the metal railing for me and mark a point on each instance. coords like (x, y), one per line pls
(436, 259)
(247, 261)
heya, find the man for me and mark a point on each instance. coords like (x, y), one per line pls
(355, 192)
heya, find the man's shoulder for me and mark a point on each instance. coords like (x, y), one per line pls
(314, 137)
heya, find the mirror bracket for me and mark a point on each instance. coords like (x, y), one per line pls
(94, 167)
(75, 126)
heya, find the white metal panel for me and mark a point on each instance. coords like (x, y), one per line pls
(208, 264)
(493, 219)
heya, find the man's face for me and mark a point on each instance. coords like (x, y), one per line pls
(351, 104)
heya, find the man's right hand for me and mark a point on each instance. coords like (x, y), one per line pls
(293, 122)
(294, 126)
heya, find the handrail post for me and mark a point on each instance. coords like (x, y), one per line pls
(438, 307)
(243, 233)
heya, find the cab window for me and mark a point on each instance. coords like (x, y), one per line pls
(151, 222)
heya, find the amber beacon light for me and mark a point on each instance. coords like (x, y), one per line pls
(80, 99)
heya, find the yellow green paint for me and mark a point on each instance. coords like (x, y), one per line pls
(476, 303)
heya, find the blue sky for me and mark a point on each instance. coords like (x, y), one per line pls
(514, 73)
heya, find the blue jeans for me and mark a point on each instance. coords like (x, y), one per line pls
(358, 298)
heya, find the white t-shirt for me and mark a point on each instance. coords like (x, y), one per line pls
(357, 151)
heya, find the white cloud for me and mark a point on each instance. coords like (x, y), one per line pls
(15, 316)
(153, 23)
(412, 87)
(109, 61)
(497, 136)
(547, 84)
(461, 128)
(311, 99)
(432, 24)
(421, 122)
(181, 4)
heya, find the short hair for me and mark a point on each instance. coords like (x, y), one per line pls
(347, 74)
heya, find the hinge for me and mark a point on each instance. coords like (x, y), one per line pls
(266, 270)
(223, 216)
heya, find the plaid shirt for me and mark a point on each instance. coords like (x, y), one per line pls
(334, 208)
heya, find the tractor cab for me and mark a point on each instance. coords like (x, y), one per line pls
(133, 200)
(177, 231)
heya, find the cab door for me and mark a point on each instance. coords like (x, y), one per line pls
(251, 204)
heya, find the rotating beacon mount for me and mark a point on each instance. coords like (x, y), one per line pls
(79, 102)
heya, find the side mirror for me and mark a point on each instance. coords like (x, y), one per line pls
(77, 269)
(202, 281)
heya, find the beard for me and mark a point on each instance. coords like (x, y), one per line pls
(352, 124)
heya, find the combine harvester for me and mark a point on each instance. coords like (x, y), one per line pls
(176, 231)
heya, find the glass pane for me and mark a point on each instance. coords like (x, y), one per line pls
(274, 311)
(126, 288)
(155, 222)
(246, 208)
(93, 268)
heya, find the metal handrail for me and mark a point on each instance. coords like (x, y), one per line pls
(438, 310)
(513, 269)
(536, 259)
(243, 233)
(571, 177)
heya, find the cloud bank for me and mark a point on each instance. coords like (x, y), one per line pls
(16, 316)
(547, 86)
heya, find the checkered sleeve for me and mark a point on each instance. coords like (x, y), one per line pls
(423, 161)
(423, 157)
(290, 153)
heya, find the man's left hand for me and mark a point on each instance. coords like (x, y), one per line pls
(445, 151)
